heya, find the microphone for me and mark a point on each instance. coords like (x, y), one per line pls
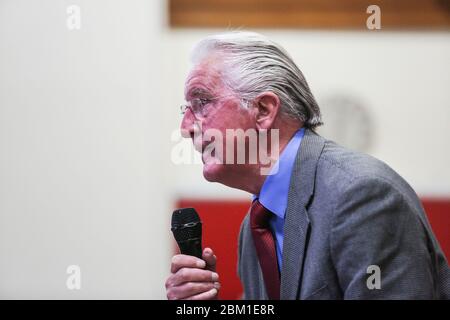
(187, 230)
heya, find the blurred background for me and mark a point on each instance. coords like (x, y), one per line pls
(89, 116)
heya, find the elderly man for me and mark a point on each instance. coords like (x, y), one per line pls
(328, 223)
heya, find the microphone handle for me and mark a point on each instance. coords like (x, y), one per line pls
(191, 247)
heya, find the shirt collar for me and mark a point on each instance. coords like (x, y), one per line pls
(274, 192)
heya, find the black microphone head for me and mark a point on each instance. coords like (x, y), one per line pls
(186, 224)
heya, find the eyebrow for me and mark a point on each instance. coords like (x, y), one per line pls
(198, 92)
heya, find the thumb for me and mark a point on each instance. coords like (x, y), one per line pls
(210, 259)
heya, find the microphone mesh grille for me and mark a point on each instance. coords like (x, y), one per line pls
(186, 224)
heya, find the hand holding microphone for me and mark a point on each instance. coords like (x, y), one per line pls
(193, 272)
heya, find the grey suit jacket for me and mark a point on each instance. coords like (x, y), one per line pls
(346, 212)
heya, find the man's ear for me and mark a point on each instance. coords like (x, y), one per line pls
(267, 106)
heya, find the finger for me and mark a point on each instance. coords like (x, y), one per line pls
(210, 259)
(184, 261)
(208, 295)
(193, 275)
(190, 289)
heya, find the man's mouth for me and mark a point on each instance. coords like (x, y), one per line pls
(208, 151)
(200, 146)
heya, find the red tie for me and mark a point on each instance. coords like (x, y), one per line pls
(265, 248)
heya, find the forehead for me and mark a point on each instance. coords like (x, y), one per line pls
(205, 78)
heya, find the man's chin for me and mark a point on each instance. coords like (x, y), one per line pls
(213, 171)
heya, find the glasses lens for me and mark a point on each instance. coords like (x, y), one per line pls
(196, 106)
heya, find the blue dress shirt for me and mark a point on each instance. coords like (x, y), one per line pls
(274, 192)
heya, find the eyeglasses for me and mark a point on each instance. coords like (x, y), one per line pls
(197, 107)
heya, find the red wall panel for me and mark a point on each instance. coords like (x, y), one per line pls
(221, 221)
(438, 212)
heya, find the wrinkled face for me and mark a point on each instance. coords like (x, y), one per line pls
(223, 110)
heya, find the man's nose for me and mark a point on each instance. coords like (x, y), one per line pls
(187, 125)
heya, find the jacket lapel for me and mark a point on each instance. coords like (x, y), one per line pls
(296, 227)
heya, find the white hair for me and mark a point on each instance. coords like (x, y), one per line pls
(254, 64)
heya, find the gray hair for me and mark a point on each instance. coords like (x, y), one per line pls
(254, 64)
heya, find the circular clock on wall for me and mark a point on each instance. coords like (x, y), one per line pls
(346, 121)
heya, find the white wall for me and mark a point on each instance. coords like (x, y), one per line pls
(85, 134)
(80, 179)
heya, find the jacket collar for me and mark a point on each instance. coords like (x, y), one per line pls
(297, 225)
